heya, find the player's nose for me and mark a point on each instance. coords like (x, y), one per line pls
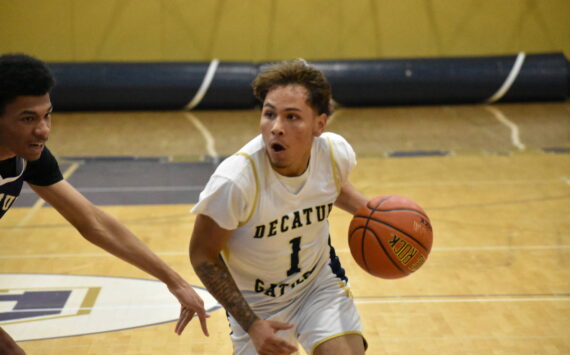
(278, 127)
(42, 129)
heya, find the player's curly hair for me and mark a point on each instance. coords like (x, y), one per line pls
(295, 72)
(22, 75)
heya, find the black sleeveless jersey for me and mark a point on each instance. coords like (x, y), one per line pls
(14, 171)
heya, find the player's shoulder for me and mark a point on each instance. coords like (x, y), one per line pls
(240, 164)
(334, 140)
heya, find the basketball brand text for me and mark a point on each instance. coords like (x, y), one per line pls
(404, 251)
(417, 263)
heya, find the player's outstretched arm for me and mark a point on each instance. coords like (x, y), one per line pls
(108, 233)
(208, 240)
(350, 199)
(8, 346)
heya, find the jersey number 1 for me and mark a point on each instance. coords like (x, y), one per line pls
(295, 249)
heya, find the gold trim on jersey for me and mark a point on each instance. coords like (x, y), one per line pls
(226, 253)
(340, 335)
(333, 166)
(20, 171)
(248, 157)
(346, 288)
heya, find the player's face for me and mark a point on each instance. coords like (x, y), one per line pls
(25, 126)
(288, 125)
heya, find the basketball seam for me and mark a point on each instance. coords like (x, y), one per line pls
(387, 253)
(379, 203)
(375, 236)
(366, 228)
(362, 243)
(404, 209)
(396, 229)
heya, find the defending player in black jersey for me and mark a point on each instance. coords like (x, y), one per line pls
(25, 122)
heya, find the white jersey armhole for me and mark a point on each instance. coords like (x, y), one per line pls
(256, 196)
(334, 168)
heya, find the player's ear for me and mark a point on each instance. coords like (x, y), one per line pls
(320, 124)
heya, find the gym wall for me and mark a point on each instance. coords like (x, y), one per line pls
(268, 30)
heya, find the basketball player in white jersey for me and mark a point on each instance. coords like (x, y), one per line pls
(261, 241)
(25, 123)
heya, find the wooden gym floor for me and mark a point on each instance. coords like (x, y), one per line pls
(495, 181)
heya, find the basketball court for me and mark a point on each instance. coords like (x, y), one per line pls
(495, 181)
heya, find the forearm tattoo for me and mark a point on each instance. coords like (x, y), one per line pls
(219, 282)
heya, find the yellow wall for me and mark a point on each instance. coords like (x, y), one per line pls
(259, 30)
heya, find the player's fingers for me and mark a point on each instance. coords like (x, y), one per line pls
(185, 318)
(180, 325)
(203, 316)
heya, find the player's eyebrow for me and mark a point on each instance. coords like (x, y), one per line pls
(28, 112)
(286, 108)
(32, 112)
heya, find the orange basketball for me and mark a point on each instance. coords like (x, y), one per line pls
(390, 237)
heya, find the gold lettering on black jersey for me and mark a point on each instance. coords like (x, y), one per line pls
(6, 201)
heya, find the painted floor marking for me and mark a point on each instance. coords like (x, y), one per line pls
(515, 136)
(210, 141)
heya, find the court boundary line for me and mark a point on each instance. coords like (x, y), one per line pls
(131, 189)
(468, 299)
(341, 250)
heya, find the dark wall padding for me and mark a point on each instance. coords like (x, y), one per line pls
(542, 77)
(171, 86)
(149, 86)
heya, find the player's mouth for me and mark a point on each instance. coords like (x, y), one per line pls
(37, 147)
(277, 147)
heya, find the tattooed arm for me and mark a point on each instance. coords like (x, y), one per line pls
(208, 240)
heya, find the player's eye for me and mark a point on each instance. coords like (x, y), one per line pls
(269, 114)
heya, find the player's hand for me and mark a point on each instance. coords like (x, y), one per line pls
(266, 342)
(191, 304)
(8, 346)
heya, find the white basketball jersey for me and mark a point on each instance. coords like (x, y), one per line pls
(280, 239)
